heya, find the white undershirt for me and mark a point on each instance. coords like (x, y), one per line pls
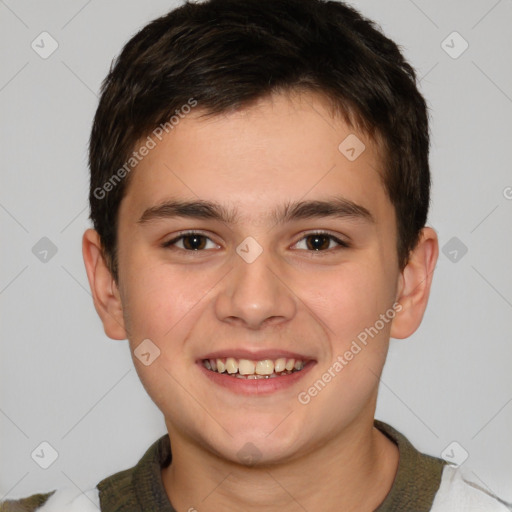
(458, 493)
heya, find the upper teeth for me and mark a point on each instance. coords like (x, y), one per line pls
(250, 367)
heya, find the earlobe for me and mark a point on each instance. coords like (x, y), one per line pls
(414, 285)
(104, 290)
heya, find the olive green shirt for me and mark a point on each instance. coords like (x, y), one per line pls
(140, 489)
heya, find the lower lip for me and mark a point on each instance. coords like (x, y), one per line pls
(256, 386)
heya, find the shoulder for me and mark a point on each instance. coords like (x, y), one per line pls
(61, 500)
(458, 491)
(27, 504)
(123, 491)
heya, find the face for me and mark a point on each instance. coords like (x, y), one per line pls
(286, 263)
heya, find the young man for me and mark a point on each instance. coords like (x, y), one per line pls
(259, 192)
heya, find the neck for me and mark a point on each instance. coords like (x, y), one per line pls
(353, 471)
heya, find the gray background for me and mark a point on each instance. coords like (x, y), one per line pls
(63, 381)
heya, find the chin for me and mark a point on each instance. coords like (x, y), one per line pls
(259, 446)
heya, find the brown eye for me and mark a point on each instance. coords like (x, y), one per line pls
(321, 242)
(190, 242)
(318, 242)
(194, 242)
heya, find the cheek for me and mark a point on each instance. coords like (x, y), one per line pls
(351, 303)
(158, 297)
(162, 304)
(348, 299)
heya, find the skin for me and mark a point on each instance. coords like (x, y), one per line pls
(325, 455)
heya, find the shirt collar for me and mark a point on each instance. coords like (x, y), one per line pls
(141, 488)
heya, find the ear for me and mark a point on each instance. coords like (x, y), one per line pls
(414, 285)
(105, 293)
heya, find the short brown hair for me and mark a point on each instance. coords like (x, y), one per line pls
(226, 54)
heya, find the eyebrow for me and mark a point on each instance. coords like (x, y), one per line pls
(337, 207)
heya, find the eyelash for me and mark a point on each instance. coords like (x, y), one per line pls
(170, 244)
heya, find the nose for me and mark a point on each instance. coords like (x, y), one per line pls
(255, 294)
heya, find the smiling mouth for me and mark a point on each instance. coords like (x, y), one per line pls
(251, 369)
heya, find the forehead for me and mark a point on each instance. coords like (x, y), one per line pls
(285, 147)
